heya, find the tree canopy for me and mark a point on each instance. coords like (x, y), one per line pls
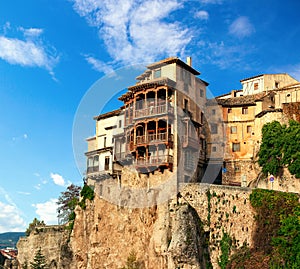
(39, 261)
(67, 202)
(33, 224)
(280, 148)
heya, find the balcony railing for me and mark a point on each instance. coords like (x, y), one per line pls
(153, 110)
(188, 141)
(92, 169)
(120, 155)
(154, 138)
(155, 160)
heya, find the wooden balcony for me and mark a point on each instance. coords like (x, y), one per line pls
(155, 160)
(153, 111)
(154, 138)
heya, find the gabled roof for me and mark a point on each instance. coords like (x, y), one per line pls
(241, 100)
(173, 60)
(108, 114)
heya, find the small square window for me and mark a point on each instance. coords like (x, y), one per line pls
(213, 112)
(233, 130)
(157, 73)
(256, 86)
(120, 123)
(245, 110)
(249, 129)
(237, 168)
(236, 147)
(214, 149)
(214, 128)
(201, 93)
(229, 110)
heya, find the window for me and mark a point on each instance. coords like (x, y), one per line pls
(233, 130)
(106, 164)
(186, 104)
(256, 86)
(214, 128)
(104, 142)
(201, 93)
(229, 110)
(120, 123)
(249, 129)
(157, 73)
(244, 110)
(276, 84)
(213, 112)
(236, 147)
(214, 149)
(237, 168)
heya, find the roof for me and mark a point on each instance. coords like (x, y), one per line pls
(241, 100)
(257, 76)
(146, 85)
(171, 60)
(108, 114)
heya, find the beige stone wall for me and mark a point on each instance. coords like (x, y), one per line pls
(53, 241)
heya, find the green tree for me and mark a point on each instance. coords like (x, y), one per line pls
(271, 150)
(292, 148)
(132, 262)
(39, 261)
(34, 224)
(280, 148)
(67, 202)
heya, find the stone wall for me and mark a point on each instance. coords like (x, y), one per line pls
(53, 241)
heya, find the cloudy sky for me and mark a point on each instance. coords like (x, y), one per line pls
(52, 52)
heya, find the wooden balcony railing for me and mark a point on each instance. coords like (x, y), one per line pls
(154, 138)
(155, 160)
(153, 110)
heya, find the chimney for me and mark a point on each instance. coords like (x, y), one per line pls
(189, 61)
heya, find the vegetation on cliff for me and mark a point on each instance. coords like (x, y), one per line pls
(67, 202)
(280, 148)
(39, 261)
(33, 225)
(277, 237)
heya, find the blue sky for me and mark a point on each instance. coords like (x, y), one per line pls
(53, 52)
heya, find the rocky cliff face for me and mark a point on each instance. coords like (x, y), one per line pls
(184, 232)
(53, 241)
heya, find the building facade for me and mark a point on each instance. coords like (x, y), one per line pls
(162, 125)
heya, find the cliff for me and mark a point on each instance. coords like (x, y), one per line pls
(53, 241)
(184, 232)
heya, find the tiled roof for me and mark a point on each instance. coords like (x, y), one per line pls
(173, 60)
(241, 100)
(108, 114)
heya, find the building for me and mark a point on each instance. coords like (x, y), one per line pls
(160, 126)
(167, 122)
(100, 154)
(263, 99)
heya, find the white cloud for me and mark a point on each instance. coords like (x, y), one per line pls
(10, 216)
(225, 55)
(241, 27)
(47, 211)
(31, 32)
(211, 1)
(59, 180)
(202, 15)
(10, 219)
(29, 52)
(99, 65)
(23, 193)
(136, 31)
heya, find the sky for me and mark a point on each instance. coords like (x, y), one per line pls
(64, 61)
